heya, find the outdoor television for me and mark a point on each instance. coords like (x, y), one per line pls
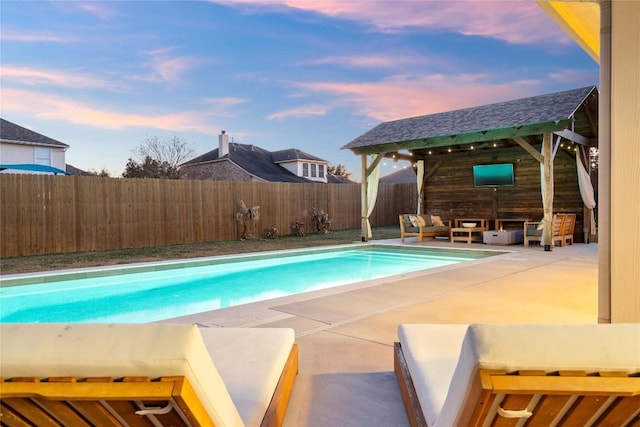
(496, 175)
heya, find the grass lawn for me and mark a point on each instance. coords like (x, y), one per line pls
(93, 259)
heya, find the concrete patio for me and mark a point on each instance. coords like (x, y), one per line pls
(346, 334)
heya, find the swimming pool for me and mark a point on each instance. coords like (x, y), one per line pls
(161, 291)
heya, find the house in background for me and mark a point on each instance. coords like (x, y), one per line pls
(25, 151)
(243, 162)
(402, 176)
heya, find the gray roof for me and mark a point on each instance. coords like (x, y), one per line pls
(520, 117)
(403, 176)
(292, 154)
(11, 132)
(253, 159)
(335, 179)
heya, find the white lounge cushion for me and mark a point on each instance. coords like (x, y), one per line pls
(547, 347)
(250, 361)
(153, 350)
(431, 352)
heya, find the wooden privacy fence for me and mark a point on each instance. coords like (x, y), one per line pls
(44, 214)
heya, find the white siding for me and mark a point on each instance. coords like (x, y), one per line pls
(22, 153)
(292, 167)
(296, 167)
(58, 159)
(16, 153)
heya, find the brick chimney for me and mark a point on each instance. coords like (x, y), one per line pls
(223, 144)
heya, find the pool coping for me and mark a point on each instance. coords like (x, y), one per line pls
(44, 277)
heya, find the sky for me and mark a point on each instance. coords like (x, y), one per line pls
(103, 76)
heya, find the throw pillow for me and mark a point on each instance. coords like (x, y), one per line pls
(437, 221)
(414, 220)
(421, 221)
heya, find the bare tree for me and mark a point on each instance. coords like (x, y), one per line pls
(173, 151)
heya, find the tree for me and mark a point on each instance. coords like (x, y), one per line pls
(160, 158)
(174, 150)
(104, 173)
(340, 170)
(150, 168)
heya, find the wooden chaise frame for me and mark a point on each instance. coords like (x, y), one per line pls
(128, 401)
(498, 398)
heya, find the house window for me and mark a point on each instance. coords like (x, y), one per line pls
(313, 170)
(43, 156)
(305, 169)
(321, 171)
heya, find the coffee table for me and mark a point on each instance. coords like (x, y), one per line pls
(465, 234)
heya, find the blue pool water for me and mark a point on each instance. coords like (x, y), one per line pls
(148, 294)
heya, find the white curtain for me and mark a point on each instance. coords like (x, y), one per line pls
(586, 189)
(372, 191)
(547, 199)
(419, 178)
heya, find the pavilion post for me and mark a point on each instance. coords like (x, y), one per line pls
(364, 197)
(547, 190)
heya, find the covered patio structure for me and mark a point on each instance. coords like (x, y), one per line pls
(538, 137)
(609, 31)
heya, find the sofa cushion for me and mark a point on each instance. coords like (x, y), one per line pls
(548, 347)
(437, 221)
(117, 350)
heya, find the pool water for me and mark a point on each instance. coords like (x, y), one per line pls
(132, 295)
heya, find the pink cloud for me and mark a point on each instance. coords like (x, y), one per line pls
(32, 76)
(370, 61)
(403, 96)
(97, 9)
(48, 106)
(521, 22)
(166, 68)
(302, 111)
(8, 35)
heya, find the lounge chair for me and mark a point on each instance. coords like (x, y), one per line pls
(422, 226)
(533, 231)
(145, 374)
(533, 375)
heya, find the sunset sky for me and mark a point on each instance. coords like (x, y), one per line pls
(102, 76)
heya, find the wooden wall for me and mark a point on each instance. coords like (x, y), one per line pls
(43, 214)
(450, 192)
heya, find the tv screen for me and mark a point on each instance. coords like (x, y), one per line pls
(497, 175)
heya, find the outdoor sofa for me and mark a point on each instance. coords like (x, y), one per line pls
(145, 374)
(423, 226)
(519, 374)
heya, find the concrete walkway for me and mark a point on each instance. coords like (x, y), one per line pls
(346, 334)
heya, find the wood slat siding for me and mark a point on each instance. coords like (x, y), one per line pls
(46, 214)
(449, 191)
